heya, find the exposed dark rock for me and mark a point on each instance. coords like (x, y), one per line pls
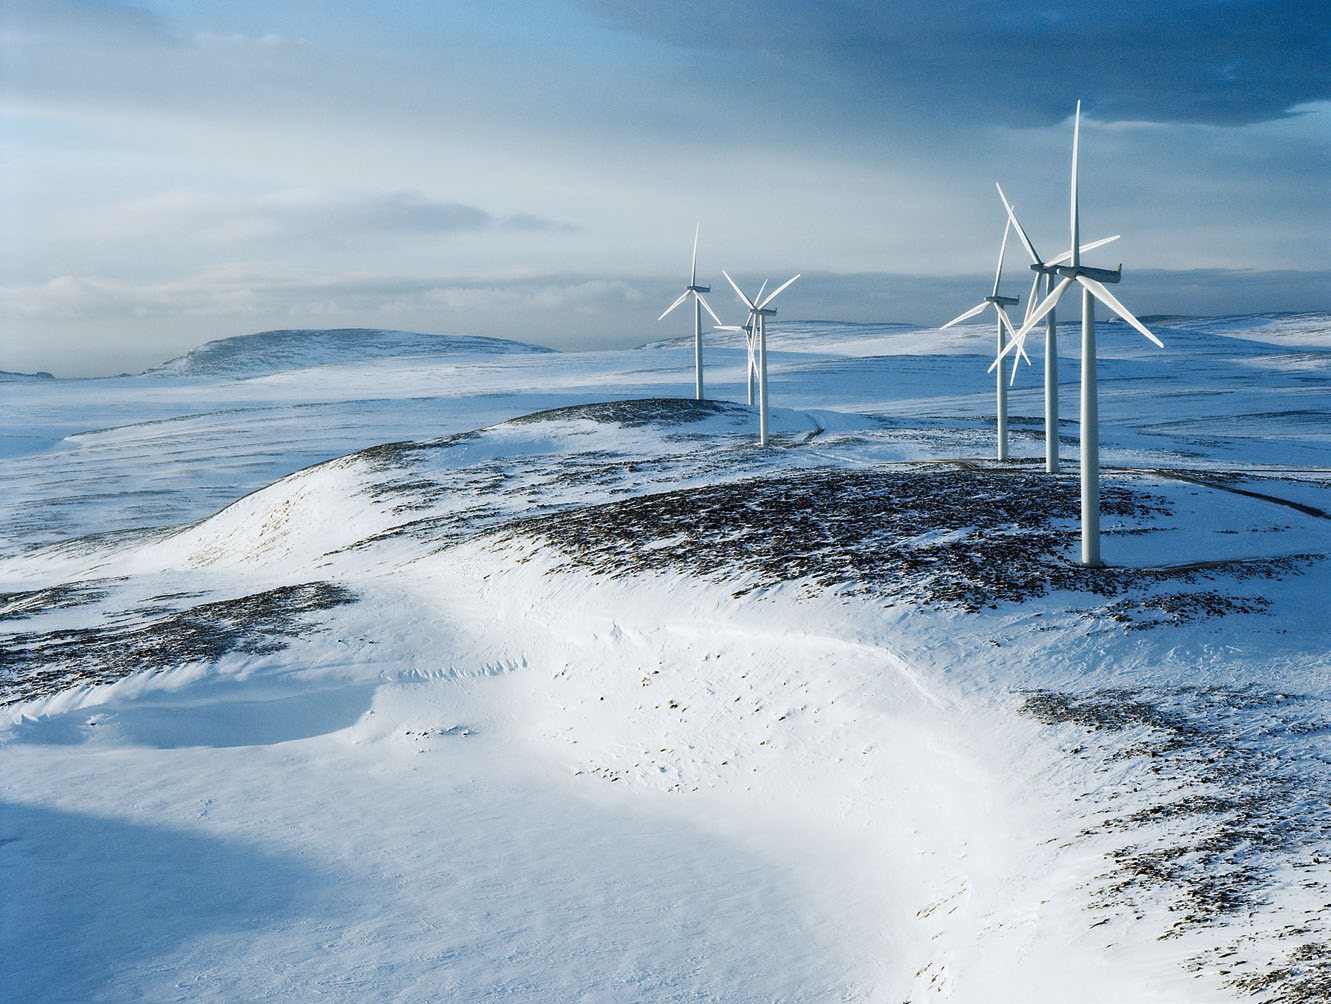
(36, 665)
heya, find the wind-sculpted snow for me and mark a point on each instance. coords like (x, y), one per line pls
(1211, 794)
(274, 351)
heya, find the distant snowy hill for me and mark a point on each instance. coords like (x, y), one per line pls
(1310, 330)
(275, 351)
(8, 377)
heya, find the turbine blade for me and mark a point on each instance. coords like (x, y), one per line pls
(1007, 323)
(1084, 248)
(1014, 344)
(1076, 220)
(747, 302)
(777, 292)
(1004, 320)
(726, 327)
(966, 316)
(758, 299)
(1020, 343)
(1030, 298)
(693, 274)
(1046, 305)
(1099, 244)
(1002, 250)
(682, 297)
(1107, 298)
(1021, 231)
(707, 307)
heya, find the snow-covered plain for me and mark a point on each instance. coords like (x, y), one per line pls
(374, 666)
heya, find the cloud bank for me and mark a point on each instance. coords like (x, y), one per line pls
(1223, 62)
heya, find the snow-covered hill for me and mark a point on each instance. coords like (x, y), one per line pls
(275, 351)
(495, 683)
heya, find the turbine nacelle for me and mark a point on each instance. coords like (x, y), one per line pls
(1098, 274)
(698, 289)
(1003, 301)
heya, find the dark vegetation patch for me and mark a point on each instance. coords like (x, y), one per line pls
(38, 664)
(1301, 977)
(1228, 790)
(648, 411)
(1140, 613)
(396, 456)
(31, 602)
(964, 537)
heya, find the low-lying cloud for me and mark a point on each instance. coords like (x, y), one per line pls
(297, 217)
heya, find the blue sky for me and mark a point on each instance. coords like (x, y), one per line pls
(179, 171)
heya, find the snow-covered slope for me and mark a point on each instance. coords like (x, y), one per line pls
(560, 699)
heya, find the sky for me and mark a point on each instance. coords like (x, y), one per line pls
(183, 170)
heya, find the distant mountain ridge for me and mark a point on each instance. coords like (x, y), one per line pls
(298, 348)
(8, 377)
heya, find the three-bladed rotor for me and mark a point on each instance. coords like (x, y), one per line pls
(994, 300)
(693, 289)
(1090, 279)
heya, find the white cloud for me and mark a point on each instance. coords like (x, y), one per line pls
(298, 216)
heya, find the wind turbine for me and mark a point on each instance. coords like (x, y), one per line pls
(1092, 282)
(747, 328)
(699, 304)
(1000, 305)
(1045, 270)
(759, 311)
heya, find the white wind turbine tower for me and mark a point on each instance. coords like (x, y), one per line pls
(1046, 270)
(1092, 282)
(759, 311)
(699, 305)
(1000, 305)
